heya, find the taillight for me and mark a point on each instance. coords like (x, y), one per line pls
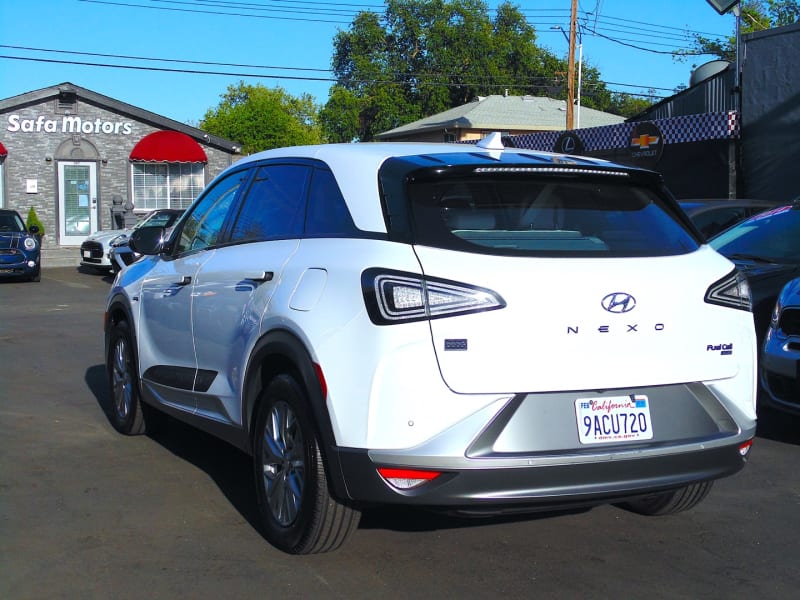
(397, 297)
(732, 291)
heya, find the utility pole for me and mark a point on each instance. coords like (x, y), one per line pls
(573, 26)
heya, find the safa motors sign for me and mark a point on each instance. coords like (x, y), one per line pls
(67, 124)
(646, 144)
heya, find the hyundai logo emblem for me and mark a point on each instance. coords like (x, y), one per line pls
(619, 302)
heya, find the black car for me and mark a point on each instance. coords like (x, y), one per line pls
(20, 249)
(712, 216)
(766, 247)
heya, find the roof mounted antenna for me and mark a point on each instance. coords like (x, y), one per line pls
(493, 141)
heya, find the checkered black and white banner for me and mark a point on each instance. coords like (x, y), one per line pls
(676, 130)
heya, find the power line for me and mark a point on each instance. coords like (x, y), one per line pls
(527, 83)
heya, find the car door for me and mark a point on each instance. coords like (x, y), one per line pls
(234, 286)
(166, 347)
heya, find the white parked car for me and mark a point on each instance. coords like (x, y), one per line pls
(95, 248)
(469, 328)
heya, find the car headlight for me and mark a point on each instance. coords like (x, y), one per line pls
(29, 243)
(119, 240)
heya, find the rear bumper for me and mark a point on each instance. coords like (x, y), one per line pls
(529, 454)
(495, 489)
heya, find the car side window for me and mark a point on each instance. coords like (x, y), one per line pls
(275, 205)
(327, 211)
(203, 226)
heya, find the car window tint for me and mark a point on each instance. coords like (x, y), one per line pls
(204, 225)
(274, 207)
(546, 216)
(327, 211)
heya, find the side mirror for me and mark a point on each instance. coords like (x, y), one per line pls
(34, 229)
(148, 240)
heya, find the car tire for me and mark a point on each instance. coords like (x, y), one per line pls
(36, 277)
(126, 411)
(298, 514)
(671, 502)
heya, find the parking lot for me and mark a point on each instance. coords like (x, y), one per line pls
(88, 513)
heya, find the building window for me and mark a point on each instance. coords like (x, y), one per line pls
(166, 185)
(450, 137)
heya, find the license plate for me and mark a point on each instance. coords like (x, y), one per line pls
(613, 419)
(87, 254)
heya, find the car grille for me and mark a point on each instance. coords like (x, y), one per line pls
(11, 257)
(95, 249)
(789, 322)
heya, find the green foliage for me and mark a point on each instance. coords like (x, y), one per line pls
(33, 219)
(628, 106)
(420, 58)
(756, 15)
(260, 118)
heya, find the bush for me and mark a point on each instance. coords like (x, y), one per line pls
(33, 219)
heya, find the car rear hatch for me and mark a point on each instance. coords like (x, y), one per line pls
(568, 280)
(585, 323)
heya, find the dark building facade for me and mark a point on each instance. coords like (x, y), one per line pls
(76, 156)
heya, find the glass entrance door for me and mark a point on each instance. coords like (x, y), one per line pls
(77, 201)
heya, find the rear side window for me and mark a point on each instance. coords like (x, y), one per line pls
(531, 215)
(327, 214)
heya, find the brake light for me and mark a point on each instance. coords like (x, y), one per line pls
(396, 297)
(406, 479)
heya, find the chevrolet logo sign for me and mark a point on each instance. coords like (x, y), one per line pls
(644, 141)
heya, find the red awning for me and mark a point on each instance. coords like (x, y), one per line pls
(3, 151)
(168, 146)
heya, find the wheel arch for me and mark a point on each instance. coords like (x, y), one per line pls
(280, 352)
(118, 310)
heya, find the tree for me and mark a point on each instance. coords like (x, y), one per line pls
(756, 15)
(628, 106)
(420, 58)
(260, 118)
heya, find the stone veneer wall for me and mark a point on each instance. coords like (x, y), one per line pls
(28, 152)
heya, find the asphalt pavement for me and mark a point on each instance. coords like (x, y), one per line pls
(88, 513)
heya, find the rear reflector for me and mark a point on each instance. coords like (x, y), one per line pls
(744, 449)
(406, 479)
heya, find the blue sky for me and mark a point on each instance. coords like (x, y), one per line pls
(291, 42)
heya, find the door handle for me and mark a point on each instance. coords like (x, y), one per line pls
(184, 280)
(262, 276)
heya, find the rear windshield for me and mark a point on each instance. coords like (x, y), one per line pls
(507, 215)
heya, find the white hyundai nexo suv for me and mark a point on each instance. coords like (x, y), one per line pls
(466, 328)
